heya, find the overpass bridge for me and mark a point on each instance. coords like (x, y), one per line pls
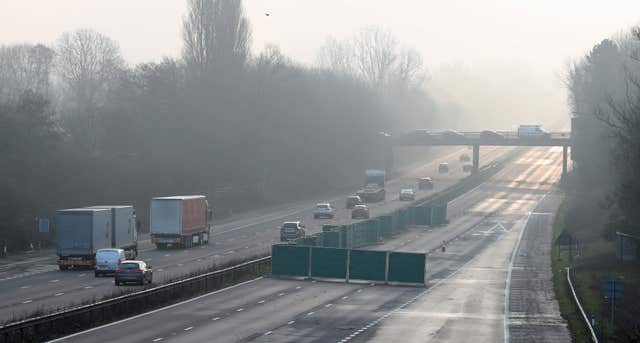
(486, 138)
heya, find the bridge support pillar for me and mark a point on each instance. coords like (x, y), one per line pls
(564, 161)
(476, 158)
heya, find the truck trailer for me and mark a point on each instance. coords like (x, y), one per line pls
(124, 228)
(373, 190)
(80, 232)
(182, 221)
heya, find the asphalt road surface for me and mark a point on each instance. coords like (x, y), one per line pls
(35, 284)
(490, 284)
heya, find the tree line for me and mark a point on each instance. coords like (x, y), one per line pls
(604, 89)
(80, 126)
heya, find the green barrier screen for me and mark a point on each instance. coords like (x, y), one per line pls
(331, 239)
(367, 265)
(329, 263)
(290, 260)
(439, 214)
(386, 223)
(406, 267)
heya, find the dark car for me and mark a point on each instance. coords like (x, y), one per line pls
(443, 167)
(290, 231)
(353, 200)
(407, 194)
(425, 183)
(360, 212)
(133, 271)
(465, 158)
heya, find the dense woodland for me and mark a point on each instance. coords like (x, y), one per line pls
(80, 126)
(605, 98)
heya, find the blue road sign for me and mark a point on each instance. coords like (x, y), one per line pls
(43, 225)
(613, 289)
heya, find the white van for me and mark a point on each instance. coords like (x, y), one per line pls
(107, 261)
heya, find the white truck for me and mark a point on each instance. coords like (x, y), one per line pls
(182, 220)
(528, 131)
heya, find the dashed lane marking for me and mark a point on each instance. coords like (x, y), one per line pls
(261, 302)
(158, 339)
(59, 294)
(240, 310)
(189, 328)
(27, 301)
(215, 319)
(291, 322)
(268, 333)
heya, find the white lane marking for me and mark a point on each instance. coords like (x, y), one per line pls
(360, 290)
(25, 287)
(167, 255)
(281, 294)
(54, 281)
(81, 275)
(159, 270)
(27, 301)
(268, 333)
(154, 311)
(345, 297)
(189, 328)
(88, 287)
(149, 258)
(261, 302)
(158, 339)
(328, 305)
(298, 287)
(291, 322)
(215, 318)
(310, 313)
(240, 310)
(59, 294)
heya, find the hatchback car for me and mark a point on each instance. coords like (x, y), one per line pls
(443, 167)
(133, 271)
(107, 261)
(425, 183)
(323, 210)
(360, 212)
(291, 231)
(407, 194)
(353, 200)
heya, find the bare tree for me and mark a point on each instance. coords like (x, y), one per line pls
(87, 64)
(215, 33)
(337, 56)
(409, 70)
(375, 54)
(25, 67)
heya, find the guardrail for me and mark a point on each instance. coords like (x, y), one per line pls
(594, 338)
(84, 317)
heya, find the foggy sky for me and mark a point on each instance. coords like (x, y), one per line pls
(539, 36)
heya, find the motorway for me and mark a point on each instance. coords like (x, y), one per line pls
(35, 284)
(491, 284)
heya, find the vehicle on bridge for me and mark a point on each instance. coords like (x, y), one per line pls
(352, 201)
(182, 220)
(374, 186)
(360, 212)
(81, 232)
(532, 131)
(425, 183)
(290, 231)
(133, 271)
(489, 134)
(443, 168)
(323, 210)
(407, 194)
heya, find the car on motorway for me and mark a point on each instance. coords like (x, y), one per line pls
(407, 194)
(360, 212)
(133, 271)
(443, 167)
(107, 261)
(465, 158)
(291, 231)
(353, 200)
(492, 135)
(323, 210)
(425, 183)
(467, 168)
(451, 134)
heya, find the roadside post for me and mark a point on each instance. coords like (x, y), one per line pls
(613, 292)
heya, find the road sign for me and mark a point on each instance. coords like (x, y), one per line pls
(43, 225)
(613, 289)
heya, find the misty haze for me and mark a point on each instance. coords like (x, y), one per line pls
(336, 171)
